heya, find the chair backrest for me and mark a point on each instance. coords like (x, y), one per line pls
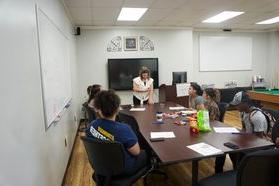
(275, 132)
(91, 114)
(106, 158)
(222, 108)
(259, 169)
(129, 120)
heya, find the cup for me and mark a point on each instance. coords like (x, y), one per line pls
(159, 116)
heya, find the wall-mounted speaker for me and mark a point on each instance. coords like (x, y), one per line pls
(77, 31)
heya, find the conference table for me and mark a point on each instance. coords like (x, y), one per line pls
(174, 150)
(268, 98)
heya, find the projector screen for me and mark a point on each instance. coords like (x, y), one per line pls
(225, 53)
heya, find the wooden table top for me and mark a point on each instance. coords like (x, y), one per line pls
(175, 150)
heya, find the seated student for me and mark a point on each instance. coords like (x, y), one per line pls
(253, 121)
(210, 96)
(107, 104)
(195, 97)
(94, 89)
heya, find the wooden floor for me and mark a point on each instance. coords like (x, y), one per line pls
(79, 171)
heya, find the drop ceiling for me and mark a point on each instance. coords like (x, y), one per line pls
(175, 13)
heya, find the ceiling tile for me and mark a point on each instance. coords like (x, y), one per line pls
(167, 3)
(146, 23)
(103, 22)
(82, 22)
(156, 14)
(138, 3)
(105, 13)
(81, 13)
(77, 3)
(107, 3)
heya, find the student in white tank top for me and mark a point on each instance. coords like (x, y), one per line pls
(143, 88)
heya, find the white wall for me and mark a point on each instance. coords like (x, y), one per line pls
(172, 47)
(273, 59)
(243, 78)
(29, 154)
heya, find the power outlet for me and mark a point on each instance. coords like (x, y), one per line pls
(66, 141)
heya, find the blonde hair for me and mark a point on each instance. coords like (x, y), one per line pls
(144, 70)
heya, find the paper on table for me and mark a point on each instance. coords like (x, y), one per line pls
(204, 149)
(176, 108)
(162, 135)
(182, 89)
(225, 130)
(137, 109)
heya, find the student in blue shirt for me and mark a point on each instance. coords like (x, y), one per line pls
(106, 103)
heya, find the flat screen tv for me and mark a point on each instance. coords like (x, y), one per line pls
(179, 77)
(122, 71)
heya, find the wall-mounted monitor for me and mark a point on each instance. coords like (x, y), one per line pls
(122, 71)
(179, 77)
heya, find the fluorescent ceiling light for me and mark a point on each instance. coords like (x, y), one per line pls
(222, 17)
(269, 21)
(131, 14)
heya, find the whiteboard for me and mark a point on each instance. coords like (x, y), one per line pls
(55, 68)
(225, 53)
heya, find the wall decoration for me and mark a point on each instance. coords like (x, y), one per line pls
(146, 44)
(115, 45)
(131, 43)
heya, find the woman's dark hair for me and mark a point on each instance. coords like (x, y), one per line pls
(107, 101)
(214, 94)
(197, 88)
(94, 89)
(88, 90)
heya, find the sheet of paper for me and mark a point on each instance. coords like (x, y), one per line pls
(225, 130)
(176, 108)
(162, 135)
(137, 109)
(182, 89)
(204, 149)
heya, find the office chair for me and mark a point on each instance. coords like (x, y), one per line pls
(222, 108)
(275, 133)
(258, 168)
(132, 122)
(108, 160)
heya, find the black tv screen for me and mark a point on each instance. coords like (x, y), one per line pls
(122, 71)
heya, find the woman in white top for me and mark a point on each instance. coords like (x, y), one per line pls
(143, 88)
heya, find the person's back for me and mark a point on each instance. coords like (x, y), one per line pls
(114, 131)
(254, 121)
(106, 104)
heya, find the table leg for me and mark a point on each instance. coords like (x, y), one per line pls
(195, 172)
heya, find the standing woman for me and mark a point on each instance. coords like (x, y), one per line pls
(195, 97)
(143, 88)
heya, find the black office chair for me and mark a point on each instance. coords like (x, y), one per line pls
(107, 159)
(275, 133)
(222, 108)
(132, 122)
(155, 163)
(258, 168)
